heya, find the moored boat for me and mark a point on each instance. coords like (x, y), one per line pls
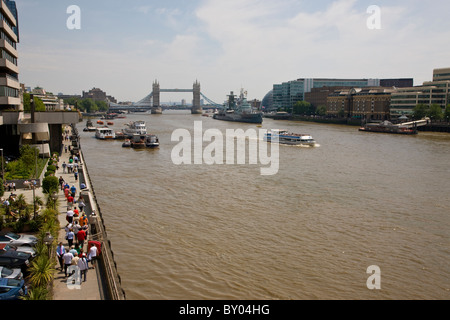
(89, 126)
(136, 127)
(105, 133)
(140, 141)
(285, 137)
(238, 111)
(388, 127)
(126, 143)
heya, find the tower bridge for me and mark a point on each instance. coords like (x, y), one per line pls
(153, 102)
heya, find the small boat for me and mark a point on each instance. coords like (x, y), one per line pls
(120, 135)
(89, 126)
(285, 137)
(110, 123)
(105, 133)
(151, 141)
(100, 122)
(126, 143)
(140, 141)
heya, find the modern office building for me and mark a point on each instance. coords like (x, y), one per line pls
(9, 71)
(42, 130)
(437, 92)
(286, 94)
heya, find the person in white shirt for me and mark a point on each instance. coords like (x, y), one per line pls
(67, 257)
(83, 265)
(69, 216)
(92, 255)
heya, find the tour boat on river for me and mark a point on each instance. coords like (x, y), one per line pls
(285, 137)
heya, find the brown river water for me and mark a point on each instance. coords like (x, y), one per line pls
(310, 231)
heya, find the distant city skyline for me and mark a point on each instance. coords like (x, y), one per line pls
(123, 46)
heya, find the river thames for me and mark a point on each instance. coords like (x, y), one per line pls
(310, 231)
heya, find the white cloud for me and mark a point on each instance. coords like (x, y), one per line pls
(249, 43)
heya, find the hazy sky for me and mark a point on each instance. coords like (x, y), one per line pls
(123, 46)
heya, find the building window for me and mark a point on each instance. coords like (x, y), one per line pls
(8, 92)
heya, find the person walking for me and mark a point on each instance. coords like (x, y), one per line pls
(92, 255)
(81, 236)
(83, 220)
(60, 251)
(83, 266)
(81, 203)
(69, 237)
(64, 165)
(61, 182)
(69, 202)
(73, 190)
(75, 259)
(69, 216)
(67, 257)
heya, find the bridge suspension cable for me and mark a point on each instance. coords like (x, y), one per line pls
(215, 104)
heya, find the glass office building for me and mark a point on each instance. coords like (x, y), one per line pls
(286, 94)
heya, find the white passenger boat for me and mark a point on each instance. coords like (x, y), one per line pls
(135, 127)
(285, 137)
(105, 133)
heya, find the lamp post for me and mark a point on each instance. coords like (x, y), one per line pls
(54, 198)
(3, 166)
(48, 240)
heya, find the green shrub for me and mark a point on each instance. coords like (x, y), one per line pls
(48, 173)
(50, 184)
(51, 168)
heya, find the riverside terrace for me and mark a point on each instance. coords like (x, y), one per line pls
(103, 282)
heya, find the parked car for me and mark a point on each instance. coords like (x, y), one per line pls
(12, 289)
(17, 239)
(15, 259)
(15, 273)
(26, 249)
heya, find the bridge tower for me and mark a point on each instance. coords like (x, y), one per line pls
(156, 109)
(196, 106)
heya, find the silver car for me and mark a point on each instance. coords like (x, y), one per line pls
(18, 239)
(15, 273)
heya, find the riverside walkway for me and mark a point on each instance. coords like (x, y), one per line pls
(93, 288)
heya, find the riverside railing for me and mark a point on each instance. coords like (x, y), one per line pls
(110, 280)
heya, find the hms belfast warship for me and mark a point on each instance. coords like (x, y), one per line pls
(238, 111)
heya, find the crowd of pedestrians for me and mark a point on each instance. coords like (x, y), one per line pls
(77, 252)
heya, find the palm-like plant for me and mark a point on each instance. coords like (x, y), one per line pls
(41, 271)
(52, 202)
(38, 293)
(20, 203)
(38, 201)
